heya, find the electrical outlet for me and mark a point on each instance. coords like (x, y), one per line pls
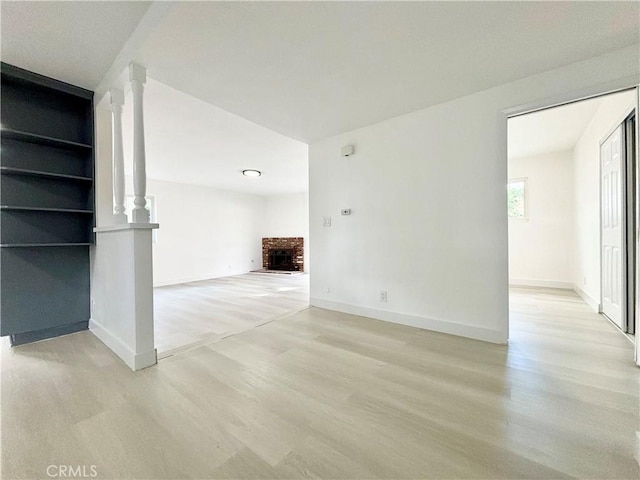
(383, 295)
(326, 221)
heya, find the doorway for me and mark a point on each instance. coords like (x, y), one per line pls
(572, 203)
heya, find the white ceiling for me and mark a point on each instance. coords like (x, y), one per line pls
(551, 130)
(191, 141)
(307, 70)
(314, 69)
(75, 42)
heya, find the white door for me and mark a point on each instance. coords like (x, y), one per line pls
(611, 225)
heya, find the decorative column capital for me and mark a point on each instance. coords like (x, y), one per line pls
(117, 97)
(137, 73)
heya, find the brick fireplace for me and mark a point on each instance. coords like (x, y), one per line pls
(283, 253)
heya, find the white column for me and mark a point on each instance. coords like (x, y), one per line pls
(138, 77)
(117, 101)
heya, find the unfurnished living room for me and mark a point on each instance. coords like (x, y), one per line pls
(333, 240)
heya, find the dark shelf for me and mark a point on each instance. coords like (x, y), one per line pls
(24, 245)
(44, 209)
(38, 173)
(43, 139)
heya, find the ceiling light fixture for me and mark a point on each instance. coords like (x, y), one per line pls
(251, 173)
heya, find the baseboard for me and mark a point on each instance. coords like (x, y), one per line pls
(594, 304)
(167, 283)
(451, 328)
(135, 361)
(38, 335)
(520, 282)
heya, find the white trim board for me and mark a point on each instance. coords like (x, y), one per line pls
(167, 283)
(594, 304)
(442, 326)
(126, 226)
(134, 361)
(520, 282)
(200, 278)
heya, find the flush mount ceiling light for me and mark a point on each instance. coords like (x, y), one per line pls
(251, 173)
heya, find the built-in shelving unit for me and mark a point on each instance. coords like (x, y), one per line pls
(46, 205)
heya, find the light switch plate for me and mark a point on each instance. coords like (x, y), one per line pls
(326, 221)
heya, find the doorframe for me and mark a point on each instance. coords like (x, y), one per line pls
(616, 86)
(633, 188)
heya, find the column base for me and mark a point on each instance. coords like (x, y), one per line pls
(120, 218)
(135, 361)
(140, 215)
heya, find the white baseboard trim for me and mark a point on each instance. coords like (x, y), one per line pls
(166, 283)
(452, 328)
(135, 361)
(594, 304)
(521, 282)
(637, 455)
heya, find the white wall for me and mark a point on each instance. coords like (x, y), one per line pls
(288, 216)
(541, 246)
(204, 232)
(427, 189)
(586, 158)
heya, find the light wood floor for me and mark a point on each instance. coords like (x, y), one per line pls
(326, 395)
(205, 311)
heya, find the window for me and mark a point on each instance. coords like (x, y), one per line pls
(517, 198)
